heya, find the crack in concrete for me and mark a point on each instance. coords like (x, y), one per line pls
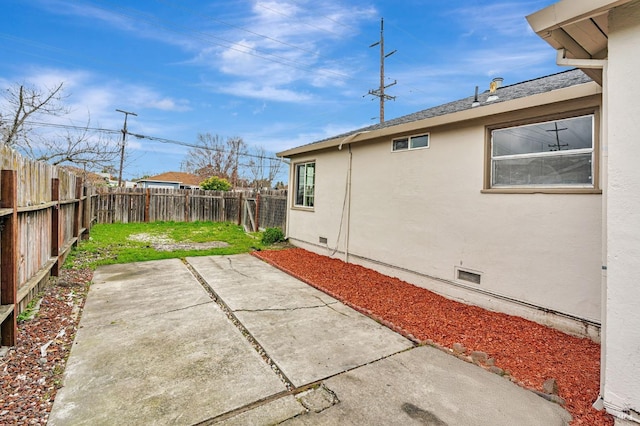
(132, 319)
(328, 306)
(297, 308)
(235, 270)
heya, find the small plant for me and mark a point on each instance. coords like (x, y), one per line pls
(272, 236)
(29, 312)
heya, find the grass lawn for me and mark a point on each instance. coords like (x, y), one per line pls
(136, 242)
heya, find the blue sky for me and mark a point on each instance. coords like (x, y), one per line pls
(278, 73)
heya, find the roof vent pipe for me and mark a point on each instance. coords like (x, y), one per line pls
(475, 99)
(497, 82)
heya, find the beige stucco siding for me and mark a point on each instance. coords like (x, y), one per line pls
(622, 385)
(422, 213)
(325, 218)
(543, 249)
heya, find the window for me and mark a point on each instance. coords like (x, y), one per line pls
(555, 153)
(305, 184)
(411, 142)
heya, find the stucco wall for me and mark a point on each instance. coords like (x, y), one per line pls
(422, 211)
(622, 368)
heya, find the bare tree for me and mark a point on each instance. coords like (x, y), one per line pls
(23, 104)
(264, 168)
(79, 149)
(216, 157)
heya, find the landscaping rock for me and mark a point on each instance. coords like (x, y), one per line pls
(496, 370)
(479, 357)
(458, 348)
(552, 398)
(550, 387)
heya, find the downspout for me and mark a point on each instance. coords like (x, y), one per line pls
(290, 195)
(348, 191)
(346, 235)
(602, 64)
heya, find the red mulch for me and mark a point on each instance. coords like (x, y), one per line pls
(530, 352)
(28, 380)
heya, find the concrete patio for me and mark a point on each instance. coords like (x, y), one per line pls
(232, 340)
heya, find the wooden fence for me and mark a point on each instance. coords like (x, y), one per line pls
(252, 210)
(45, 210)
(43, 213)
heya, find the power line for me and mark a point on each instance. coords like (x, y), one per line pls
(151, 138)
(193, 145)
(72, 127)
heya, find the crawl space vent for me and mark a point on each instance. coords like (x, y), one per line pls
(468, 276)
(323, 240)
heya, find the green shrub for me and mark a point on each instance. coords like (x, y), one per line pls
(272, 236)
(214, 183)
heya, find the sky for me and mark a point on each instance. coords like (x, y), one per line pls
(277, 73)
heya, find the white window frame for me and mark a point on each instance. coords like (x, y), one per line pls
(557, 153)
(409, 140)
(305, 196)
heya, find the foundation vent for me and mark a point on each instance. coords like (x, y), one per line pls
(323, 240)
(468, 276)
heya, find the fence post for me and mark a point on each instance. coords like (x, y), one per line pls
(224, 208)
(55, 225)
(186, 205)
(147, 202)
(9, 257)
(87, 211)
(257, 212)
(240, 206)
(77, 210)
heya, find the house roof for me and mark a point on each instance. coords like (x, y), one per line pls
(579, 27)
(173, 177)
(454, 111)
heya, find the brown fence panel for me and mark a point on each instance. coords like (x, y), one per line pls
(39, 226)
(273, 211)
(123, 205)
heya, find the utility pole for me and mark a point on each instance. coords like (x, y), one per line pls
(124, 140)
(380, 91)
(557, 146)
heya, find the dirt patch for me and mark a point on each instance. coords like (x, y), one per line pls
(524, 351)
(31, 371)
(163, 242)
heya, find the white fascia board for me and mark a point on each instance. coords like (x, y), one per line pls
(568, 11)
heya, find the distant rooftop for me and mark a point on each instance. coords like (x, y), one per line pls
(176, 177)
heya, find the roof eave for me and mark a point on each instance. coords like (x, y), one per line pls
(569, 11)
(578, 27)
(568, 93)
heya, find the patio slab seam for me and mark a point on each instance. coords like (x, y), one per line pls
(238, 324)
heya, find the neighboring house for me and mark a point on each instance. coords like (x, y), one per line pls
(93, 179)
(602, 37)
(525, 200)
(174, 180)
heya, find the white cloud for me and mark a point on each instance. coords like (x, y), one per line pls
(506, 19)
(250, 90)
(289, 44)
